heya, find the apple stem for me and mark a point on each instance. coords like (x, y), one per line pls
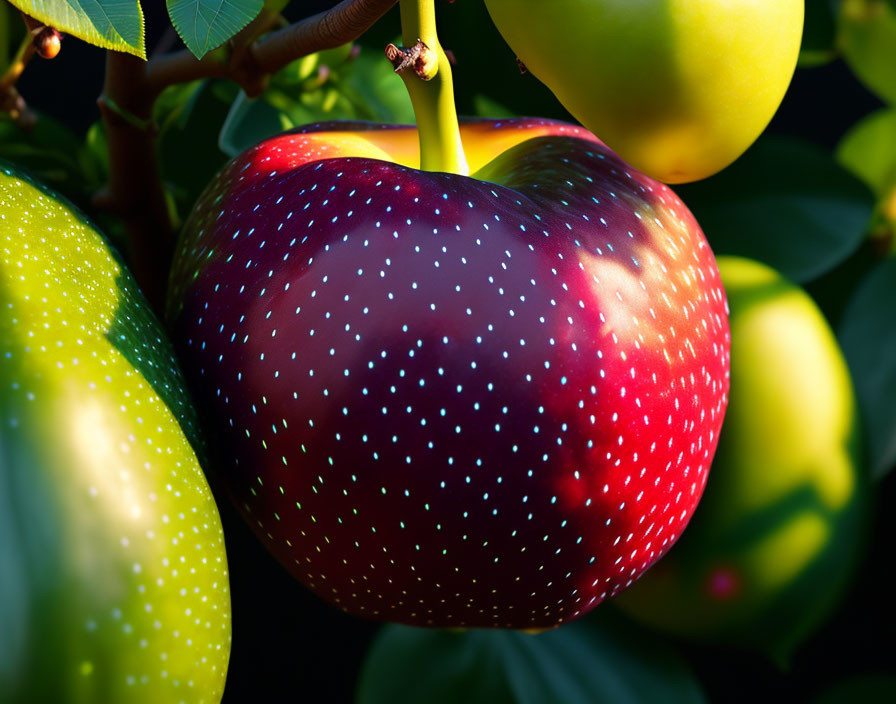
(431, 89)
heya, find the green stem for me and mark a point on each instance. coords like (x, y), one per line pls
(433, 100)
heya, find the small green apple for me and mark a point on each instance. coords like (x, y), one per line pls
(113, 576)
(677, 88)
(772, 544)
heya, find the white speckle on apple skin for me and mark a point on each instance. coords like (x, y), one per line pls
(453, 401)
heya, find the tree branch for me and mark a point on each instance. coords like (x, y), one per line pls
(136, 192)
(10, 100)
(250, 65)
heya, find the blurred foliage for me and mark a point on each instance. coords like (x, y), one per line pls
(869, 151)
(786, 203)
(819, 33)
(866, 36)
(188, 117)
(340, 84)
(6, 38)
(55, 155)
(870, 689)
(600, 659)
(868, 335)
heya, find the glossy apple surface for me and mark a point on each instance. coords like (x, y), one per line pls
(113, 576)
(444, 400)
(678, 88)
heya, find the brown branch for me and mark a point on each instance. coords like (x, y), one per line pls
(136, 192)
(233, 61)
(24, 54)
(41, 40)
(326, 30)
(343, 23)
(10, 101)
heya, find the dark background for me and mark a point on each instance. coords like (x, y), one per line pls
(289, 645)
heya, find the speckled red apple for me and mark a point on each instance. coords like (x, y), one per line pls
(453, 401)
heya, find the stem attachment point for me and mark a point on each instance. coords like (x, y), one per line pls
(420, 57)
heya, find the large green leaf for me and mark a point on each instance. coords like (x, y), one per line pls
(866, 35)
(206, 24)
(786, 203)
(580, 663)
(869, 150)
(868, 336)
(111, 24)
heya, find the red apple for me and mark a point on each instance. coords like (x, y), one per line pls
(447, 400)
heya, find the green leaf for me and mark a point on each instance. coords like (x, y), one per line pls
(110, 24)
(866, 36)
(786, 203)
(868, 337)
(869, 150)
(206, 24)
(248, 122)
(371, 85)
(577, 664)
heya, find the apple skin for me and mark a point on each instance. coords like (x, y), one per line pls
(453, 401)
(678, 88)
(113, 576)
(781, 525)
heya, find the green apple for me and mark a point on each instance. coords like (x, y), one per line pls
(777, 533)
(677, 88)
(113, 576)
